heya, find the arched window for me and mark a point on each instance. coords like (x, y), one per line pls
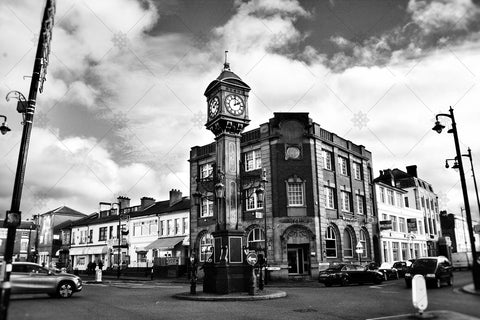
(330, 243)
(256, 238)
(347, 244)
(363, 241)
(206, 247)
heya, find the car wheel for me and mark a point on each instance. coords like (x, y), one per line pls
(438, 283)
(345, 281)
(65, 289)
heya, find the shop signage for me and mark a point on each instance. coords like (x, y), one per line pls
(412, 225)
(385, 224)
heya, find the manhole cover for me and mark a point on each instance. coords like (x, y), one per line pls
(305, 310)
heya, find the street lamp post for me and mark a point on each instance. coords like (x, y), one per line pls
(469, 155)
(27, 107)
(438, 128)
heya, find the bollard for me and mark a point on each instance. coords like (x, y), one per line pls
(98, 275)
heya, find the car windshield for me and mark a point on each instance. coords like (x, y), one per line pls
(425, 265)
(386, 265)
(335, 268)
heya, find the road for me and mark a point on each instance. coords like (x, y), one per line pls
(153, 300)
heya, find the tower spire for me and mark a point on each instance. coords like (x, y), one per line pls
(226, 65)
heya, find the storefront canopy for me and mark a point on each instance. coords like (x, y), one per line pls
(88, 250)
(165, 243)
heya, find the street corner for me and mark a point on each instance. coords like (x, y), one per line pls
(239, 296)
(470, 289)
(437, 315)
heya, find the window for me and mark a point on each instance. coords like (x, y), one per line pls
(206, 247)
(390, 197)
(382, 194)
(398, 199)
(395, 252)
(357, 171)
(110, 232)
(346, 201)
(206, 170)
(102, 234)
(327, 159)
(330, 243)
(404, 251)
(141, 257)
(253, 160)
(185, 225)
(394, 223)
(363, 241)
(347, 244)
(90, 237)
(169, 227)
(343, 165)
(162, 228)
(252, 201)
(401, 224)
(360, 203)
(329, 197)
(177, 226)
(256, 238)
(406, 202)
(295, 192)
(206, 208)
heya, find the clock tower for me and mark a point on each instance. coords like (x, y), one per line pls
(227, 103)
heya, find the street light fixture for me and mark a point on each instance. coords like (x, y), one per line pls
(438, 128)
(3, 128)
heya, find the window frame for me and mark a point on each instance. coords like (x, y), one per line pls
(327, 157)
(329, 197)
(346, 203)
(343, 165)
(346, 249)
(357, 170)
(253, 163)
(206, 207)
(294, 195)
(205, 246)
(360, 204)
(330, 236)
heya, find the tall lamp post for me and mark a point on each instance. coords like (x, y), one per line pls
(27, 107)
(438, 128)
(469, 155)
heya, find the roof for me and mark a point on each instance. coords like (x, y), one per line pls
(227, 77)
(66, 211)
(160, 207)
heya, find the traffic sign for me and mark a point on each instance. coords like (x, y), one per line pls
(252, 258)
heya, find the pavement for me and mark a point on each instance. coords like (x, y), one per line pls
(437, 315)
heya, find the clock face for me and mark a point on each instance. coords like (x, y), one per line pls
(293, 153)
(234, 104)
(213, 107)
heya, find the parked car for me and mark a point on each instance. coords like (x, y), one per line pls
(389, 272)
(27, 277)
(344, 274)
(435, 270)
(402, 267)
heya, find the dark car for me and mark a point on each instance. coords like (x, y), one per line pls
(435, 270)
(27, 277)
(402, 267)
(389, 271)
(344, 274)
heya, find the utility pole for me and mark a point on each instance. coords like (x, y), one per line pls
(14, 217)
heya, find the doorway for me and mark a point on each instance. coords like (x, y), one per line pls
(298, 259)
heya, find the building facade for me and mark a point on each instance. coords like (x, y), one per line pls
(408, 213)
(317, 202)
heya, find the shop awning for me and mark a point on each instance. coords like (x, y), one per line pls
(165, 243)
(88, 250)
(77, 251)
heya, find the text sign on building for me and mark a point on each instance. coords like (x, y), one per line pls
(385, 224)
(412, 225)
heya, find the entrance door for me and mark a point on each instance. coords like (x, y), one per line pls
(298, 260)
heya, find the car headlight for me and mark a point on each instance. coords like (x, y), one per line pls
(430, 275)
(408, 275)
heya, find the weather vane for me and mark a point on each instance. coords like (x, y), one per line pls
(226, 65)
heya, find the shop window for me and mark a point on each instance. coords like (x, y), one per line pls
(330, 243)
(206, 247)
(347, 244)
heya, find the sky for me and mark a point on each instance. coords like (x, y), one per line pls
(123, 99)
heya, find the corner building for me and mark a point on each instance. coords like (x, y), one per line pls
(317, 204)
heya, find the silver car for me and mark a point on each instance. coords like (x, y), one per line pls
(27, 277)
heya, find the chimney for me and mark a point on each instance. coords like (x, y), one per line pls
(412, 170)
(124, 202)
(175, 196)
(146, 202)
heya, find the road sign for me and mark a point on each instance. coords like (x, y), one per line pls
(252, 258)
(419, 293)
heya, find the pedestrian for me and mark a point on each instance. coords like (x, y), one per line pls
(100, 264)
